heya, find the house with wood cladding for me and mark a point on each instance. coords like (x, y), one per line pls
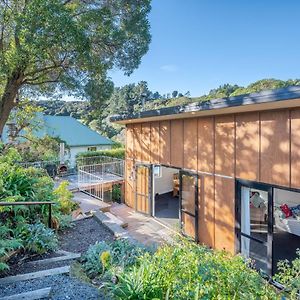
(226, 172)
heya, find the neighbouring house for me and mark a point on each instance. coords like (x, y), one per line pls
(78, 137)
(225, 171)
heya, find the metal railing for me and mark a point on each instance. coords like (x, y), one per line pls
(97, 179)
(33, 203)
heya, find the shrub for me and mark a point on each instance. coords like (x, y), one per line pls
(103, 256)
(64, 221)
(116, 153)
(64, 198)
(92, 259)
(7, 244)
(190, 271)
(289, 276)
(116, 193)
(37, 238)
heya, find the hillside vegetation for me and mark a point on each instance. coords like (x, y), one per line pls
(128, 99)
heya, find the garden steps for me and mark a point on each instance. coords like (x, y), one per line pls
(32, 295)
(116, 219)
(33, 275)
(65, 256)
(110, 223)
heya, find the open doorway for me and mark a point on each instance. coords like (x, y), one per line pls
(166, 205)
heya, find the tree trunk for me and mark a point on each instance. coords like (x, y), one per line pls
(8, 100)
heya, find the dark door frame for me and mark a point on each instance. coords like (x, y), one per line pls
(270, 189)
(150, 187)
(269, 243)
(182, 211)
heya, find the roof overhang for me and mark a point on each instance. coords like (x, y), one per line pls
(266, 100)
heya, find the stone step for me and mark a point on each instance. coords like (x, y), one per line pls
(33, 275)
(116, 229)
(65, 256)
(116, 219)
(32, 295)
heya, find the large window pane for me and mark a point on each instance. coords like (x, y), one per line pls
(257, 252)
(254, 213)
(188, 193)
(286, 237)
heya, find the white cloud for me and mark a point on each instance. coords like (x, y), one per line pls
(169, 68)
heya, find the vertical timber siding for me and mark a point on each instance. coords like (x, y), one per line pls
(259, 146)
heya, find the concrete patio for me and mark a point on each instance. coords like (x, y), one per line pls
(143, 228)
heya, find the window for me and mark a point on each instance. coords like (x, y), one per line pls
(93, 148)
(157, 172)
(268, 223)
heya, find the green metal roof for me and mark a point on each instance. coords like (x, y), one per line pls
(70, 130)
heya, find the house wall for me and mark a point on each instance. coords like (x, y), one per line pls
(259, 146)
(75, 150)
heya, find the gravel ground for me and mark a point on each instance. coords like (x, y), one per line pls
(77, 239)
(86, 232)
(63, 287)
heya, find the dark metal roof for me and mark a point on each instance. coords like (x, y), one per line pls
(289, 93)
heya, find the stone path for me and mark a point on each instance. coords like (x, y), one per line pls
(89, 204)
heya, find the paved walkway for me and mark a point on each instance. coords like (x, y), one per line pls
(88, 203)
(144, 229)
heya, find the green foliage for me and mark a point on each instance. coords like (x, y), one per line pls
(127, 99)
(116, 153)
(64, 198)
(53, 46)
(45, 148)
(7, 244)
(116, 193)
(37, 238)
(189, 271)
(104, 256)
(64, 221)
(91, 260)
(289, 276)
(26, 185)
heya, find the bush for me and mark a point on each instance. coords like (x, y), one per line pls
(116, 193)
(104, 256)
(92, 259)
(289, 276)
(7, 244)
(190, 271)
(64, 198)
(37, 238)
(116, 153)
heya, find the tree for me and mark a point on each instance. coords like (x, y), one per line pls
(174, 94)
(59, 46)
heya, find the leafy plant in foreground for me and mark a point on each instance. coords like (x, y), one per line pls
(116, 255)
(7, 244)
(289, 276)
(189, 271)
(37, 238)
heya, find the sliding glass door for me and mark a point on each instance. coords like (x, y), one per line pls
(255, 228)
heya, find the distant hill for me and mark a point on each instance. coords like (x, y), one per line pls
(127, 99)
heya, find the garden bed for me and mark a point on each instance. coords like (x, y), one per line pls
(86, 232)
(77, 239)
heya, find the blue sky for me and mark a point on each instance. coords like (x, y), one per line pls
(198, 45)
